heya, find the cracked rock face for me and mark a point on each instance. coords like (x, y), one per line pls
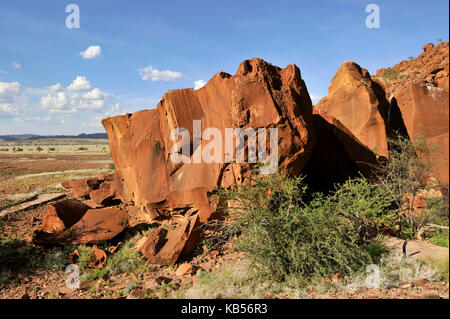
(420, 88)
(259, 95)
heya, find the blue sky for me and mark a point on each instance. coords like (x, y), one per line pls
(48, 87)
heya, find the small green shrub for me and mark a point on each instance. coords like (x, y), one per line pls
(283, 233)
(86, 253)
(440, 237)
(126, 260)
(364, 203)
(126, 291)
(405, 174)
(96, 274)
(376, 251)
(435, 212)
(390, 74)
(82, 148)
(56, 259)
(15, 254)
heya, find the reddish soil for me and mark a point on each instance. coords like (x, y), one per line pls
(12, 165)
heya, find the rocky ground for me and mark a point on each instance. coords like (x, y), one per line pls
(173, 281)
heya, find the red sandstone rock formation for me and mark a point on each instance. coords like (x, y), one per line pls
(165, 246)
(360, 105)
(260, 95)
(420, 89)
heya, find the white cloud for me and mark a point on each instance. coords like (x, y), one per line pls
(16, 65)
(56, 87)
(199, 84)
(58, 101)
(78, 95)
(8, 91)
(96, 94)
(92, 52)
(315, 98)
(3, 72)
(113, 111)
(149, 73)
(35, 119)
(8, 110)
(80, 84)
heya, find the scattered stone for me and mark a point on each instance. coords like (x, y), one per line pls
(421, 282)
(404, 285)
(80, 188)
(136, 293)
(184, 269)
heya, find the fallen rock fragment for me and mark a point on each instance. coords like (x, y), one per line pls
(98, 258)
(101, 196)
(62, 215)
(80, 188)
(421, 282)
(136, 293)
(96, 225)
(165, 246)
(184, 269)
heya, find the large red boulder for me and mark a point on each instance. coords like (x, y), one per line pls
(259, 95)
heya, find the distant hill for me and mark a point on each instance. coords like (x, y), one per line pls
(32, 137)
